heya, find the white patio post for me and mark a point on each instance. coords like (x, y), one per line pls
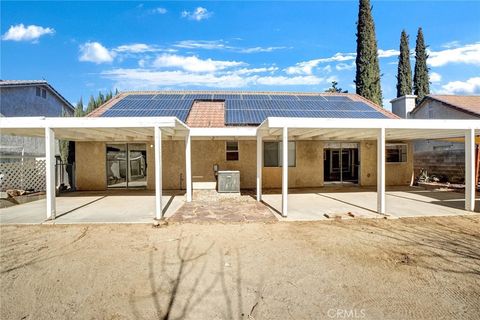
(188, 166)
(50, 172)
(470, 170)
(259, 165)
(285, 172)
(381, 171)
(158, 173)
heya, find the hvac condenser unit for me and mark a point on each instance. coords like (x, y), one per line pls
(228, 181)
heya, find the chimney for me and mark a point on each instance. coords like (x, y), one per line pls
(402, 106)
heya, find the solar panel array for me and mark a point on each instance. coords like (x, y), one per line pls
(244, 109)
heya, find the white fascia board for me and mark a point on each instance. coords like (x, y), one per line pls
(86, 122)
(333, 123)
(224, 132)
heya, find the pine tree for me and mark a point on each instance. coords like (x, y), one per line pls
(335, 89)
(367, 78)
(421, 85)
(116, 91)
(404, 75)
(108, 96)
(92, 105)
(100, 100)
(79, 112)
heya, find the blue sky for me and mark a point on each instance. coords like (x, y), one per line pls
(84, 47)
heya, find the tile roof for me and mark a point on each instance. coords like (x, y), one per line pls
(207, 114)
(469, 104)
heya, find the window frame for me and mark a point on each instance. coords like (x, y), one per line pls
(227, 151)
(279, 154)
(403, 155)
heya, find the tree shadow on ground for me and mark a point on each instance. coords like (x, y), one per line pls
(179, 286)
(455, 248)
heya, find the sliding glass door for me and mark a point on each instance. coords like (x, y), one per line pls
(126, 165)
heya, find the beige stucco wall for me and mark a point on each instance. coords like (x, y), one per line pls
(90, 166)
(396, 174)
(308, 172)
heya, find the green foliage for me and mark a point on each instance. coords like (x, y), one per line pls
(63, 145)
(335, 89)
(421, 84)
(404, 74)
(92, 104)
(100, 99)
(367, 78)
(79, 112)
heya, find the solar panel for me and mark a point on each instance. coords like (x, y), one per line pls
(246, 108)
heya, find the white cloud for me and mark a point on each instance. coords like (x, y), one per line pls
(470, 86)
(254, 70)
(435, 77)
(306, 67)
(95, 52)
(345, 66)
(136, 48)
(468, 54)
(193, 63)
(142, 79)
(30, 33)
(198, 14)
(202, 44)
(451, 44)
(260, 49)
(221, 45)
(388, 53)
(159, 10)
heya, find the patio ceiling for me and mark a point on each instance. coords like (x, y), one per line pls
(355, 129)
(95, 129)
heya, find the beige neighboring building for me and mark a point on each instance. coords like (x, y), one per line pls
(445, 159)
(314, 161)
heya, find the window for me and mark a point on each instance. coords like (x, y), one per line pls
(272, 154)
(396, 153)
(232, 150)
(40, 92)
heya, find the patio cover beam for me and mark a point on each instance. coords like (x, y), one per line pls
(470, 170)
(259, 165)
(158, 173)
(381, 171)
(188, 166)
(285, 172)
(50, 172)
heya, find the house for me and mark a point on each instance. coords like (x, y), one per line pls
(183, 139)
(444, 159)
(28, 98)
(313, 162)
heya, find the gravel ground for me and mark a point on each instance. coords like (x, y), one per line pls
(419, 268)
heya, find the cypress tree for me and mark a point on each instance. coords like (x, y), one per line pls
(421, 85)
(91, 104)
(100, 100)
(367, 78)
(404, 75)
(79, 112)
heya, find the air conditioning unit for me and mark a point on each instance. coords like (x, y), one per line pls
(228, 182)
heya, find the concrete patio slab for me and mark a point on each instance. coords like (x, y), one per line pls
(312, 204)
(133, 206)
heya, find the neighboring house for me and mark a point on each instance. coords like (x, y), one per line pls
(444, 158)
(22, 163)
(314, 161)
(28, 98)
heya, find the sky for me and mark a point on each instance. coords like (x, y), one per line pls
(82, 48)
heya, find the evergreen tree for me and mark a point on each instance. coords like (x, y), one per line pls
(404, 75)
(367, 78)
(421, 85)
(116, 91)
(100, 100)
(335, 89)
(108, 96)
(79, 112)
(92, 104)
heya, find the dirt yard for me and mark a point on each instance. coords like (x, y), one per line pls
(422, 268)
